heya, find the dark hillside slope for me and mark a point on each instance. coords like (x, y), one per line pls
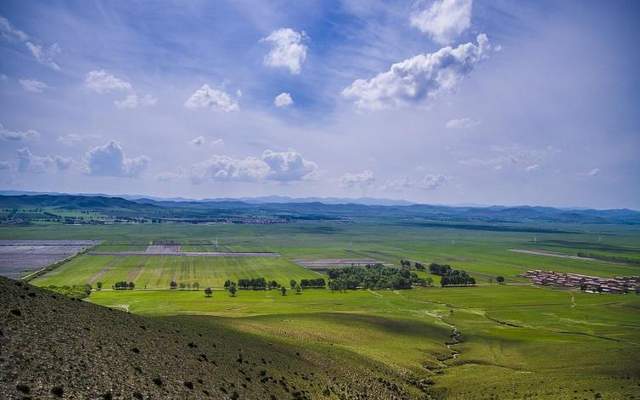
(55, 347)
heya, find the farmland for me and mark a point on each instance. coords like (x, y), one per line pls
(511, 340)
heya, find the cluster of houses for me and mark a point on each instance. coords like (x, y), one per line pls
(592, 284)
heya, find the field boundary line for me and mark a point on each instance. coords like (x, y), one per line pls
(51, 267)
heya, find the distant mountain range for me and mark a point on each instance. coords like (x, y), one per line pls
(309, 209)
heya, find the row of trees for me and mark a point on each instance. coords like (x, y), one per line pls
(183, 285)
(312, 283)
(375, 276)
(122, 285)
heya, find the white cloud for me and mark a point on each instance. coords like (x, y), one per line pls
(532, 167)
(431, 181)
(288, 166)
(5, 165)
(284, 166)
(225, 168)
(427, 182)
(360, 179)
(134, 101)
(32, 85)
(4, 78)
(594, 172)
(288, 49)
(415, 79)
(198, 141)
(9, 32)
(283, 100)
(17, 136)
(29, 162)
(110, 160)
(462, 123)
(102, 82)
(443, 20)
(63, 163)
(45, 55)
(206, 97)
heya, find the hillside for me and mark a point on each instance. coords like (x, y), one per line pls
(55, 347)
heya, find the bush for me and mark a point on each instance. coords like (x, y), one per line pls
(208, 292)
(313, 283)
(500, 279)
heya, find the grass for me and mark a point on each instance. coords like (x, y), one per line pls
(518, 341)
(156, 272)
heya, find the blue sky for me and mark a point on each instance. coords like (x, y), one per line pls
(445, 101)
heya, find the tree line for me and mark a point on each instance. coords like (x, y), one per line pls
(376, 276)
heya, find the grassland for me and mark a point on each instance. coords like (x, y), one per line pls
(517, 341)
(156, 272)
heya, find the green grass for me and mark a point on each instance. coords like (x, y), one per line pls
(519, 341)
(156, 272)
(513, 336)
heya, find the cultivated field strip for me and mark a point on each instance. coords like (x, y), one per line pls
(156, 272)
(18, 256)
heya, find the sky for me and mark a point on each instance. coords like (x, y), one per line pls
(436, 101)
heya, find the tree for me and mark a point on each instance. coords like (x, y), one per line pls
(500, 279)
(208, 292)
(298, 289)
(99, 285)
(227, 283)
(283, 290)
(293, 283)
(233, 289)
(196, 286)
(182, 285)
(131, 285)
(173, 285)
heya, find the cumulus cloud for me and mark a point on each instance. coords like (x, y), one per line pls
(286, 166)
(32, 85)
(359, 179)
(29, 162)
(135, 101)
(283, 100)
(110, 160)
(443, 20)
(207, 97)
(43, 54)
(462, 123)
(418, 78)
(287, 49)
(17, 136)
(225, 168)
(102, 82)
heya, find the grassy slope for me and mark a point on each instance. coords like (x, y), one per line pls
(513, 337)
(51, 341)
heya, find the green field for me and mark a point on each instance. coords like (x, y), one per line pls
(157, 272)
(516, 340)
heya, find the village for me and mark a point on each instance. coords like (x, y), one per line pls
(587, 283)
